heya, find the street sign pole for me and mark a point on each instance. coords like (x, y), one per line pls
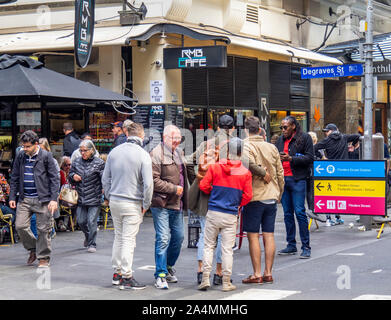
(368, 93)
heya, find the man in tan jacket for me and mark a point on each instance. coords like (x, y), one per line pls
(261, 211)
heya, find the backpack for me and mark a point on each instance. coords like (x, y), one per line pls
(75, 143)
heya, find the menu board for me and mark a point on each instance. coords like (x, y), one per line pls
(142, 115)
(157, 118)
(175, 115)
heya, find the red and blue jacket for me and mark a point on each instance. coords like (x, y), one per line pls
(229, 184)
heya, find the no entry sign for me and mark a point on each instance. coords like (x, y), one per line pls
(350, 187)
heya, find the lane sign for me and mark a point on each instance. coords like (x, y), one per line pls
(374, 206)
(346, 70)
(350, 169)
(350, 188)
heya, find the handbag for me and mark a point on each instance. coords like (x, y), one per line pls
(68, 196)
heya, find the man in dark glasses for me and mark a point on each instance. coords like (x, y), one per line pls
(297, 155)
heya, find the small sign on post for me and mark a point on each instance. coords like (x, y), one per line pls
(346, 70)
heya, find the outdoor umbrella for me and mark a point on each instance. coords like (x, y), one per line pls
(24, 79)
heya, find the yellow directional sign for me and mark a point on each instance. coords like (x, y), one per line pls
(350, 188)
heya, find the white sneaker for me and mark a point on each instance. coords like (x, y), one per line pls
(170, 277)
(328, 223)
(91, 249)
(161, 283)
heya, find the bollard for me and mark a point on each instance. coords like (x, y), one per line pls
(377, 153)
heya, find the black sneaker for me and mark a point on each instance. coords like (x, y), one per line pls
(130, 283)
(116, 279)
(199, 277)
(170, 277)
(217, 280)
(287, 251)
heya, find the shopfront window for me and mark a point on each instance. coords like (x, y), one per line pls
(100, 128)
(214, 116)
(5, 136)
(301, 117)
(56, 120)
(275, 121)
(239, 118)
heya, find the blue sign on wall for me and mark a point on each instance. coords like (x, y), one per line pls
(350, 169)
(345, 70)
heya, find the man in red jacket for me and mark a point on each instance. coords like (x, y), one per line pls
(230, 187)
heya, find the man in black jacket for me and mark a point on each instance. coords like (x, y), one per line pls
(35, 177)
(71, 140)
(336, 146)
(297, 155)
(336, 143)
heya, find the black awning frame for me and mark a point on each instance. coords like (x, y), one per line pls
(178, 29)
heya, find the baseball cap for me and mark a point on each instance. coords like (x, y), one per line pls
(226, 121)
(330, 126)
(117, 124)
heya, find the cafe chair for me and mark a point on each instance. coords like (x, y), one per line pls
(7, 219)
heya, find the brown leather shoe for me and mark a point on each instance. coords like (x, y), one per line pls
(252, 279)
(32, 257)
(43, 263)
(267, 279)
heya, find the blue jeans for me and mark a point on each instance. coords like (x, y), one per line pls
(169, 230)
(293, 202)
(200, 244)
(87, 219)
(33, 225)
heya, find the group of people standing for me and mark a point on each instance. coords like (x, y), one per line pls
(233, 177)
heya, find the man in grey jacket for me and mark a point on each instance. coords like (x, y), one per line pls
(128, 185)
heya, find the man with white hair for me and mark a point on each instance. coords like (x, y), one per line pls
(170, 199)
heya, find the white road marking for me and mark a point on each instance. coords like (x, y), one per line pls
(261, 294)
(373, 297)
(146, 268)
(377, 271)
(351, 254)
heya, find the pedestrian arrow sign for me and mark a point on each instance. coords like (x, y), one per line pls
(350, 187)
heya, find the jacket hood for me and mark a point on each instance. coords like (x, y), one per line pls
(233, 167)
(336, 135)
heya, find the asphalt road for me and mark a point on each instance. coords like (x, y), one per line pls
(346, 264)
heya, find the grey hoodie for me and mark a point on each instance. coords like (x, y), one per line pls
(128, 174)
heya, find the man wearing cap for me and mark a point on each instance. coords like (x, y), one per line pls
(119, 135)
(336, 143)
(336, 146)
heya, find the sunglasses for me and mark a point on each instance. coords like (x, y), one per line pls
(283, 127)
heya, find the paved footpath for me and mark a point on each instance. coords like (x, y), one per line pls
(346, 264)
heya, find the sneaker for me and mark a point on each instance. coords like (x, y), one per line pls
(130, 283)
(91, 249)
(305, 254)
(116, 279)
(339, 221)
(235, 247)
(287, 251)
(170, 277)
(217, 280)
(199, 277)
(330, 223)
(43, 263)
(161, 283)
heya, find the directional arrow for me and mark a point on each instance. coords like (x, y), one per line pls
(319, 169)
(319, 186)
(319, 204)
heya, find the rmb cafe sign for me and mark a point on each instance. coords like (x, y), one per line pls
(195, 57)
(84, 30)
